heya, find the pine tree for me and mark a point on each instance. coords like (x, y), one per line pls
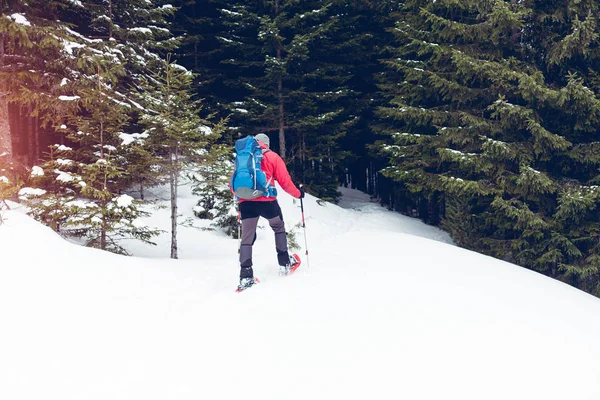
(140, 162)
(136, 35)
(211, 179)
(281, 83)
(198, 24)
(475, 118)
(81, 184)
(140, 29)
(570, 53)
(328, 52)
(176, 133)
(359, 42)
(105, 215)
(8, 186)
(53, 189)
(35, 60)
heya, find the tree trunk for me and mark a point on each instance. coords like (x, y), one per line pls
(304, 151)
(110, 17)
(282, 149)
(103, 231)
(142, 189)
(173, 175)
(36, 137)
(5, 137)
(30, 137)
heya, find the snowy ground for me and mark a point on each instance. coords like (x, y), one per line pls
(382, 312)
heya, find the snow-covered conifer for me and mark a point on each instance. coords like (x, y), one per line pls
(177, 135)
(479, 117)
(211, 178)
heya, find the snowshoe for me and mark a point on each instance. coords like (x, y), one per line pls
(290, 267)
(246, 283)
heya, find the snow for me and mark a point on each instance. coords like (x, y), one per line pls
(407, 134)
(4, 179)
(382, 312)
(533, 170)
(230, 12)
(129, 138)
(121, 103)
(81, 204)
(63, 176)
(142, 30)
(61, 161)
(28, 191)
(20, 19)
(124, 201)
(206, 130)
(137, 105)
(68, 98)
(69, 46)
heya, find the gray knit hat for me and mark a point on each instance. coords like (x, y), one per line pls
(261, 137)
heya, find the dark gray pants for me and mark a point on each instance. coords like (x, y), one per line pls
(250, 212)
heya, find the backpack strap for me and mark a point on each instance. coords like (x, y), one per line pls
(271, 189)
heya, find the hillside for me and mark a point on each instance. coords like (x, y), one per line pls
(383, 311)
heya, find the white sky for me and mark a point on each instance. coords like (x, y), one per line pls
(383, 312)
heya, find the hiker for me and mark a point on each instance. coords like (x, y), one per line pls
(266, 206)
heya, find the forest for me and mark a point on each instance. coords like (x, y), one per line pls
(481, 117)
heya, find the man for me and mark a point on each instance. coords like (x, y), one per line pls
(267, 207)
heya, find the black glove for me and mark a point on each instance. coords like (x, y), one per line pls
(301, 192)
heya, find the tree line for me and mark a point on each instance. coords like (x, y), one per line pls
(480, 116)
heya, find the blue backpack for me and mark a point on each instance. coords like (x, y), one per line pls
(249, 181)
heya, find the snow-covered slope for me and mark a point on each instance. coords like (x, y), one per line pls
(382, 312)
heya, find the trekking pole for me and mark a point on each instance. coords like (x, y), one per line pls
(304, 227)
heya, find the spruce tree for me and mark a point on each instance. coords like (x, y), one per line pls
(105, 215)
(9, 187)
(211, 184)
(139, 29)
(140, 162)
(328, 50)
(199, 26)
(36, 48)
(177, 135)
(359, 42)
(52, 190)
(273, 57)
(136, 35)
(81, 184)
(568, 36)
(475, 119)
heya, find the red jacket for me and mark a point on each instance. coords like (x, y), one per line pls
(274, 167)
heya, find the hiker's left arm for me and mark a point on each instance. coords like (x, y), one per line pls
(282, 176)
